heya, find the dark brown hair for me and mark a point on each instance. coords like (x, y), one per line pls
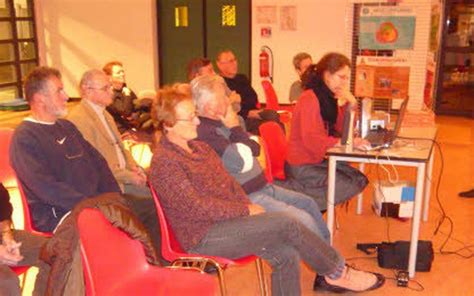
(195, 65)
(37, 80)
(331, 62)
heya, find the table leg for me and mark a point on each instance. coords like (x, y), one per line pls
(360, 196)
(415, 228)
(331, 192)
(428, 184)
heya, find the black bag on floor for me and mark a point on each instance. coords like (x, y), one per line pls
(395, 255)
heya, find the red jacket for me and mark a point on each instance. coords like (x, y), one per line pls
(309, 139)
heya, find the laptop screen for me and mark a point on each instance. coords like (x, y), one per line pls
(347, 124)
(401, 114)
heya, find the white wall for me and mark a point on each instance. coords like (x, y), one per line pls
(77, 35)
(321, 27)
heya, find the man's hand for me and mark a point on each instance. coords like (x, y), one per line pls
(139, 177)
(254, 114)
(230, 119)
(10, 254)
(255, 209)
(234, 98)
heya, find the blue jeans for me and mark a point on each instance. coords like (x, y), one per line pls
(297, 205)
(277, 238)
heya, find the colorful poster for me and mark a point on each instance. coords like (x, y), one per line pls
(386, 28)
(382, 77)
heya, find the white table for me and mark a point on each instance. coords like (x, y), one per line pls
(410, 153)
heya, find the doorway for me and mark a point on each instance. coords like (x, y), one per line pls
(455, 93)
(201, 28)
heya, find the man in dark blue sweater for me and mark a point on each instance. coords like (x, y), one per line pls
(55, 165)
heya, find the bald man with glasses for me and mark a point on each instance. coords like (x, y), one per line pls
(97, 126)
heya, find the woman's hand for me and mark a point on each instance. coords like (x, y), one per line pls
(344, 96)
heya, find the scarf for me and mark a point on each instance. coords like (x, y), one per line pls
(327, 105)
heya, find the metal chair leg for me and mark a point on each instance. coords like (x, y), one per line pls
(220, 275)
(261, 277)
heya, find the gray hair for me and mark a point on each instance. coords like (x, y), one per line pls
(88, 77)
(203, 90)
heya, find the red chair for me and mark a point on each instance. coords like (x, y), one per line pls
(172, 251)
(115, 264)
(267, 168)
(9, 179)
(277, 147)
(270, 95)
(272, 101)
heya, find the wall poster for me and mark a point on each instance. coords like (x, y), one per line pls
(382, 77)
(266, 14)
(384, 27)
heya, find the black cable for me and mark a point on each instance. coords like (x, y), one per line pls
(420, 286)
(444, 217)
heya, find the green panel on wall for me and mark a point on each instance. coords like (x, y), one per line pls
(180, 35)
(223, 34)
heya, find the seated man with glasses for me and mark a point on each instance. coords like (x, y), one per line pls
(55, 165)
(97, 126)
(253, 116)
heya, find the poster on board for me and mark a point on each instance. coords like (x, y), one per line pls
(385, 27)
(382, 77)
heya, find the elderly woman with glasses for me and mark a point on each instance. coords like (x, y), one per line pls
(211, 214)
(316, 126)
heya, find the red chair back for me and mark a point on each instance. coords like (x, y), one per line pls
(277, 147)
(7, 175)
(268, 166)
(270, 95)
(115, 264)
(9, 178)
(171, 250)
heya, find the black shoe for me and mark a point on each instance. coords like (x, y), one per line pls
(469, 193)
(321, 285)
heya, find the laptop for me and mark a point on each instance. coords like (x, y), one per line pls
(383, 137)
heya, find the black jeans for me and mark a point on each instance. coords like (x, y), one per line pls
(312, 179)
(277, 238)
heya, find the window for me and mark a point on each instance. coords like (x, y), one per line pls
(18, 48)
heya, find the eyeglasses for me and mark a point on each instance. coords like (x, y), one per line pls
(234, 60)
(191, 119)
(342, 77)
(107, 87)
